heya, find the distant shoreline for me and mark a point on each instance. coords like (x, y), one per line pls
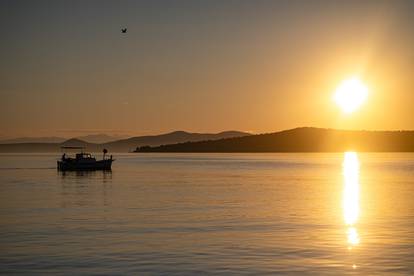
(300, 140)
(306, 139)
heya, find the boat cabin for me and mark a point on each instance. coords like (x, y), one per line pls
(84, 155)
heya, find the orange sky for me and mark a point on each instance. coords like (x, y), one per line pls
(257, 66)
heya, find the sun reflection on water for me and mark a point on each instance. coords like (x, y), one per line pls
(350, 170)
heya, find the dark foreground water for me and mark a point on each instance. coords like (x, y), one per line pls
(182, 214)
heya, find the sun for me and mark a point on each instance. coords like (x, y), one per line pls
(350, 95)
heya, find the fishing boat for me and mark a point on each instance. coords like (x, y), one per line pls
(83, 161)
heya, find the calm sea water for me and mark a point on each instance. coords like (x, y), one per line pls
(183, 214)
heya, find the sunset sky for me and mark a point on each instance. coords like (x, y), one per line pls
(202, 66)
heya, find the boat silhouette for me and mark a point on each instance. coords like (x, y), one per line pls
(83, 161)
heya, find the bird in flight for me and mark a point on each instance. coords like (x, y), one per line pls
(124, 30)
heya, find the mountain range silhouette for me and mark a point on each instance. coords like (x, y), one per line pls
(122, 145)
(305, 139)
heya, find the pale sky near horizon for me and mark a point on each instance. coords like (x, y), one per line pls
(202, 66)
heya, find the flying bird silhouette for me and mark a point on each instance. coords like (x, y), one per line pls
(124, 30)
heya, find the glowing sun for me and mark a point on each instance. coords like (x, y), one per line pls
(350, 95)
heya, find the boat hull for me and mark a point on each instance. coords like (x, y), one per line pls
(74, 165)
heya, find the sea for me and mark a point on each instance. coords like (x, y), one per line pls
(345, 213)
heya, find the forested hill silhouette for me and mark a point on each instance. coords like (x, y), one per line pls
(304, 139)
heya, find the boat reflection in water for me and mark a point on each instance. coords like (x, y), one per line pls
(350, 171)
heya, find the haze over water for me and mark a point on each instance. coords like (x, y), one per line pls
(179, 214)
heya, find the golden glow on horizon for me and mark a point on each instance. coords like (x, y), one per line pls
(350, 95)
(350, 170)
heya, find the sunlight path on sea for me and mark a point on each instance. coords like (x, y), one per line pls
(350, 171)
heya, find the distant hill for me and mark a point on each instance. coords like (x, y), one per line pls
(47, 147)
(131, 144)
(123, 145)
(33, 140)
(93, 138)
(75, 142)
(100, 138)
(301, 140)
